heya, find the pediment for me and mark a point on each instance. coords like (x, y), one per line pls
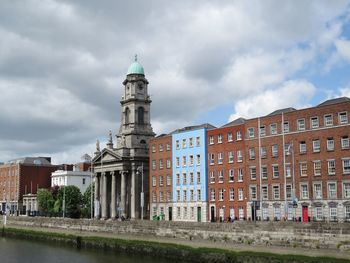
(107, 156)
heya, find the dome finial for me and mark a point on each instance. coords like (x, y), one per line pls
(135, 57)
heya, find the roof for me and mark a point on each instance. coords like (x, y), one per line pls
(31, 160)
(194, 127)
(334, 101)
(135, 68)
(235, 122)
(280, 111)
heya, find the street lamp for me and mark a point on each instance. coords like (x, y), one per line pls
(64, 199)
(290, 150)
(142, 199)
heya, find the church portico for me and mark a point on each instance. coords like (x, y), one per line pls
(121, 170)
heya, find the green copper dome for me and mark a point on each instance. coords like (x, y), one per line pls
(135, 68)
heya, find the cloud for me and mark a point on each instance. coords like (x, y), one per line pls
(343, 48)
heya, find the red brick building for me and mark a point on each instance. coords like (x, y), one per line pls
(308, 178)
(160, 179)
(226, 172)
(23, 176)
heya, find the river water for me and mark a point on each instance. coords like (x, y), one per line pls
(24, 251)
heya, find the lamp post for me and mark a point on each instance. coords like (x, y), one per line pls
(142, 198)
(64, 199)
(291, 151)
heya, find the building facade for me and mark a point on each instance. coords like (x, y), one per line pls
(160, 179)
(121, 172)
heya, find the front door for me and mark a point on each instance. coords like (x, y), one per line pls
(199, 214)
(212, 214)
(170, 213)
(305, 212)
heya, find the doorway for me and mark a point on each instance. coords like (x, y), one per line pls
(199, 214)
(305, 213)
(170, 213)
(212, 214)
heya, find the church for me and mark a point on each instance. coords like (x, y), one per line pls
(121, 170)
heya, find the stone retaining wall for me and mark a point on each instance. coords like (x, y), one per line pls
(292, 234)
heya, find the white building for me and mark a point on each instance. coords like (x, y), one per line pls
(80, 179)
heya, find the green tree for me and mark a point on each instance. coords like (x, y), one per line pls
(86, 204)
(45, 201)
(73, 199)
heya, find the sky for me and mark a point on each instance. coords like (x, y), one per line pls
(62, 64)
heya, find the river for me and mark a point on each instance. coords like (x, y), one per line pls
(24, 251)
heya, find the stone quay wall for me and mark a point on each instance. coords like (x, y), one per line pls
(284, 234)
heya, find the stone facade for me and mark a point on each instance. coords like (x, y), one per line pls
(121, 172)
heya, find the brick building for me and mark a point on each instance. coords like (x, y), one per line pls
(23, 176)
(226, 181)
(161, 177)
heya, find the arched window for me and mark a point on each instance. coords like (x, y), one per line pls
(127, 115)
(140, 115)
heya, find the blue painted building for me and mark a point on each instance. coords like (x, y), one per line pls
(190, 184)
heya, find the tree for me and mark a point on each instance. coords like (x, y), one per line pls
(72, 196)
(45, 201)
(86, 204)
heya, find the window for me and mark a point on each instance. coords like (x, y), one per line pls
(317, 191)
(199, 196)
(161, 196)
(153, 148)
(83, 180)
(317, 168)
(241, 213)
(191, 160)
(251, 132)
(302, 147)
(319, 213)
(288, 170)
(154, 197)
(262, 131)
(239, 156)
(301, 124)
(184, 178)
(230, 157)
(274, 149)
(161, 180)
(198, 177)
(346, 190)
(229, 137)
(160, 147)
(168, 147)
(333, 214)
(184, 143)
(264, 192)
(346, 166)
(263, 151)
(240, 194)
(154, 164)
(168, 163)
(331, 167)
(232, 194)
(212, 194)
(191, 195)
(328, 120)
(277, 212)
(276, 192)
(184, 195)
(191, 178)
(332, 190)
(275, 171)
(140, 115)
(240, 175)
(185, 212)
(347, 212)
(198, 159)
(238, 135)
(251, 153)
(184, 160)
(178, 212)
(314, 122)
(198, 141)
(303, 169)
(221, 194)
(211, 139)
(286, 126)
(211, 158)
(177, 144)
(330, 144)
(265, 213)
(168, 180)
(161, 165)
(168, 196)
(219, 138)
(212, 177)
(190, 142)
(343, 117)
(252, 172)
(289, 191)
(263, 172)
(177, 179)
(253, 193)
(220, 177)
(231, 175)
(304, 191)
(220, 158)
(273, 129)
(345, 142)
(316, 145)
(177, 161)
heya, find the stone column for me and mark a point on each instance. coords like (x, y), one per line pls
(96, 199)
(104, 196)
(132, 192)
(123, 193)
(113, 196)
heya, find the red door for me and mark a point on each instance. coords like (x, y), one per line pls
(305, 214)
